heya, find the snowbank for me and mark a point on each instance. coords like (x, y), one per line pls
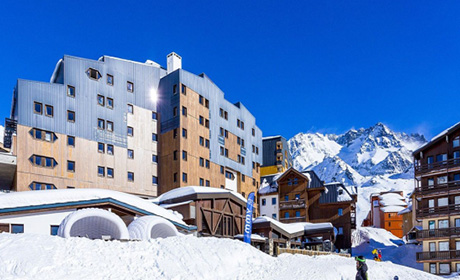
(186, 257)
(190, 190)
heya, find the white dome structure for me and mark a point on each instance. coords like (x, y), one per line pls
(151, 227)
(93, 223)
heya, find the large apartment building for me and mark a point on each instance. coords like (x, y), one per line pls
(132, 127)
(276, 157)
(437, 203)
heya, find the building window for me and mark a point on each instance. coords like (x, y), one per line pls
(201, 182)
(101, 147)
(443, 223)
(154, 137)
(297, 196)
(110, 80)
(242, 143)
(109, 126)
(201, 141)
(206, 103)
(39, 134)
(206, 143)
(441, 157)
(207, 164)
(130, 131)
(130, 86)
(130, 109)
(71, 91)
(286, 198)
(184, 177)
(100, 171)
(17, 228)
(130, 176)
(433, 268)
(155, 158)
(93, 74)
(154, 116)
(208, 184)
(174, 89)
(109, 172)
(54, 230)
(206, 123)
(273, 200)
(100, 100)
(297, 214)
(286, 215)
(456, 142)
(70, 166)
(340, 231)
(201, 99)
(184, 90)
(340, 212)
(154, 180)
(175, 133)
(243, 178)
(226, 134)
(443, 201)
(184, 155)
(175, 177)
(264, 201)
(444, 268)
(229, 175)
(201, 162)
(130, 154)
(109, 149)
(175, 111)
(38, 108)
(42, 161)
(36, 186)
(175, 155)
(70, 141)
(253, 132)
(184, 111)
(222, 169)
(49, 112)
(201, 120)
(274, 216)
(253, 182)
(70, 116)
(100, 124)
(184, 133)
(109, 103)
(257, 150)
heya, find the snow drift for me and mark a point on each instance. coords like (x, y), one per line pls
(27, 256)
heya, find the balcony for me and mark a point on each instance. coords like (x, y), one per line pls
(293, 219)
(292, 204)
(439, 210)
(436, 166)
(438, 255)
(450, 186)
(438, 233)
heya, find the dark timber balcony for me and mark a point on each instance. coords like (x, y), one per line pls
(438, 256)
(438, 233)
(447, 187)
(293, 219)
(437, 166)
(438, 211)
(292, 204)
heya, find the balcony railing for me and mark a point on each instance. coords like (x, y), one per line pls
(438, 255)
(424, 168)
(293, 219)
(292, 204)
(450, 186)
(436, 233)
(439, 210)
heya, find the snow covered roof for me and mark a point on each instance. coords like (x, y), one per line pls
(271, 137)
(49, 199)
(183, 192)
(437, 138)
(392, 209)
(336, 192)
(406, 210)
(294, 229)
(392, 199)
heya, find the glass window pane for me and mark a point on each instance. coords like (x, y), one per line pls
(444, 268)
(443, 223)
(444, 246)
(443, 201)
(17, 228)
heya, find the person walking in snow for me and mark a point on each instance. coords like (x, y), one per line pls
(361, 267)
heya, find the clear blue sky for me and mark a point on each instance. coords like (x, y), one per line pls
(322, 66)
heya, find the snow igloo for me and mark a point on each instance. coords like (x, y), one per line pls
(151, 227)
(93, 224)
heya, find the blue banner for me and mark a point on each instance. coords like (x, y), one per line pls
(248, 223)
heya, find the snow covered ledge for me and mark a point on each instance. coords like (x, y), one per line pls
(151, 227)
(93, 223)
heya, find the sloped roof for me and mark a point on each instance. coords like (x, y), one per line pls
(437, 138)
(336, 192)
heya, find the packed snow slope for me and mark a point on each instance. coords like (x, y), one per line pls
(374, 159)
(366, 239)
(26, 256)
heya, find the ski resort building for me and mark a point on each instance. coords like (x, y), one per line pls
(384, 213)
(303, 197)
(129, 126)
(437, 191)
(276, 156)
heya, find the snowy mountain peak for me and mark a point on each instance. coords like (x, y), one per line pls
(375, 158)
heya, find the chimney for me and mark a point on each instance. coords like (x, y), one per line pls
(174, 62)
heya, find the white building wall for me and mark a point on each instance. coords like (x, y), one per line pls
(269, 208)
(37, 222)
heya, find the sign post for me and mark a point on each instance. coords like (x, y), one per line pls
(248, 222)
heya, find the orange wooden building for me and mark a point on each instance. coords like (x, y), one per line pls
(384, 211)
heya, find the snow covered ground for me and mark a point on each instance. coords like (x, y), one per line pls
(27, 256)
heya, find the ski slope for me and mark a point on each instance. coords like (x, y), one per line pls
(28, 256)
